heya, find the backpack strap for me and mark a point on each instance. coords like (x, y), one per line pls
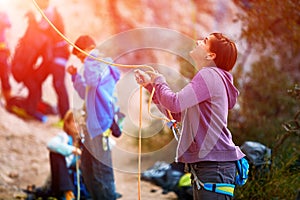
(242, 167)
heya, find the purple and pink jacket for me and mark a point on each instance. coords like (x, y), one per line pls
(202, 108)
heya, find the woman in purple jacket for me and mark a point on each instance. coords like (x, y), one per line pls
(205, 142)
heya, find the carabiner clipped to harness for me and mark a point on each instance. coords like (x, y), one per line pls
(172, 124)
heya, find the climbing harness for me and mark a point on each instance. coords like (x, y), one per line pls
(224, 188)
(220, 188)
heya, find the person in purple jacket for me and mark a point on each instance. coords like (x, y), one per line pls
(205, 142)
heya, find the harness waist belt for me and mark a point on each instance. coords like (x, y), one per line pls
(221, 188)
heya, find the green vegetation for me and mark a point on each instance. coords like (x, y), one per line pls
(269, 104)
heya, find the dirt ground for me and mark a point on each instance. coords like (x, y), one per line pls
(24, 160)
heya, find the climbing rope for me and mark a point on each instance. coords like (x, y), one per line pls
(140, 143)
(77, 177)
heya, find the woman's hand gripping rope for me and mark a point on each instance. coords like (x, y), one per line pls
(143, 78)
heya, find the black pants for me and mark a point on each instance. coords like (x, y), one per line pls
(97, 175)
(58, 81)
(34, 94)
(213, 172)
(4, 71)
(61, 180)
(58, 50)
(58, 73)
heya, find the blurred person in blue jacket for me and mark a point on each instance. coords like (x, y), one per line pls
(96, 87)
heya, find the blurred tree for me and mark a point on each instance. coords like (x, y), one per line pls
(271, 30)
(267, 112)
(264, 102)
(291, 127)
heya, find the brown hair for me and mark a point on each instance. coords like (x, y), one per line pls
(225, 50)
(68, 118)
(83, 42)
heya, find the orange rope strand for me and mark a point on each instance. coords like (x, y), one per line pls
(149, 108)
(140, 142)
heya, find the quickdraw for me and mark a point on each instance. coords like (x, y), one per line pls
(172, 124)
